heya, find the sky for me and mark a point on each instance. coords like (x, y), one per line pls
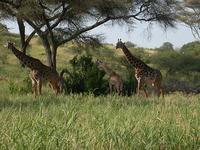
(139, 35)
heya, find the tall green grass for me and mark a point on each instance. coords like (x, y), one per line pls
(88, 122)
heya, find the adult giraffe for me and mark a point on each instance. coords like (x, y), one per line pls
(143, 73)
(40, 73)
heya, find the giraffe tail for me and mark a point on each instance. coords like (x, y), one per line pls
(65, 71)
(62, 84)
(162, 92)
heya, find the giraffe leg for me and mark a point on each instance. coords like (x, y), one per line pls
(57, 90)
(117, 87)
(141, 86)
(110, 87)
(145, 91)
(34, 84)
(55, 87)
(120, 88)
(39, 86)
(158, 88)
(34, 87)
(138, 87)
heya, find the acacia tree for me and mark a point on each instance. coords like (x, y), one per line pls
(189, 13)
(59, 21)
(167, 46)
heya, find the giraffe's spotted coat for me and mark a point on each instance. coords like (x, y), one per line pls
(143, 73)
(40, 73)
(115, 80)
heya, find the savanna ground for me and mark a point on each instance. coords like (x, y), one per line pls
(85, 121)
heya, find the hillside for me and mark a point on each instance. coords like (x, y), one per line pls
(171, 64)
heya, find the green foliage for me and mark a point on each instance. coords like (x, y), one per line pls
(5, 37)
(130, 44)
(130, 85)
(21, 87)
(177, 62)
(180, 71)
(130, 82)
(84, 77)
(192, 48)
(167, 46)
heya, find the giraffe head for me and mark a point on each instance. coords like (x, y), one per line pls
(57, 85)
(119, 44)
(100, 64)
(9, 45)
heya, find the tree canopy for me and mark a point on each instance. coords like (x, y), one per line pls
(189, 13)
(167, 46)
(59, 21)
(191, 48)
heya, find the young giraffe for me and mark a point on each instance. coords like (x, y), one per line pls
(115, 80)
(40, 73)
(143, 73)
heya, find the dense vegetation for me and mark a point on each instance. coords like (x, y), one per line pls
(86, 121)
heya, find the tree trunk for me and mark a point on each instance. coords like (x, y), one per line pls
(54, 54)
(47, 47)
(22, 33)
(22, 36)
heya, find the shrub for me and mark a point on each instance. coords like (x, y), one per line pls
(191, 48)
(176, 62)
(130, 85)
(130, 82)
(84, 77)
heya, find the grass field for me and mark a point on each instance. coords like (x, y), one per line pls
(88, 122)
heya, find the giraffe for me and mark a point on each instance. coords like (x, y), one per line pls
(143, 73)
(115, 80)
(39, 73)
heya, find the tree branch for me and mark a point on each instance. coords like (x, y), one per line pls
(47, 23)
(60, 18)
(9, 3)
(77, 33)
(28, 40)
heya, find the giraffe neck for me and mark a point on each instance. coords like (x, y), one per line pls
(136, 62)
(18, 53)
(107, 70)
(28, 61)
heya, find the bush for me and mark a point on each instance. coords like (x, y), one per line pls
(130, 82)
(191, 48)
(176, 62)
(84, 77)
(130, 85)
